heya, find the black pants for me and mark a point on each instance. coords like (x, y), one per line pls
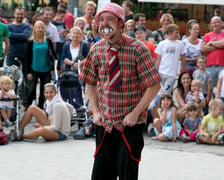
(45, 77)
(114, 159)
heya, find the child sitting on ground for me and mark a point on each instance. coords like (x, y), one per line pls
(205, 78)
(6, 107)
(88, 129)
(191, 123)
(166, 127)
(195, 95)
(210, 131)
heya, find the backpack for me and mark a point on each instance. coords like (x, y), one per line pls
(3, 138)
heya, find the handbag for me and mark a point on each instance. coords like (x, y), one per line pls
(3, 138)
(52, 56)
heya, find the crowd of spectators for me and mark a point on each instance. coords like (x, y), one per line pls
(190, 67)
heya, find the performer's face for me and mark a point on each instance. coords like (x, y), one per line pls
(110, 27)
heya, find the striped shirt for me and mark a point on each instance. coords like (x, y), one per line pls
(137, 74)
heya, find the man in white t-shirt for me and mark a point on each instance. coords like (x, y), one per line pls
(170, 51)
(51, 30)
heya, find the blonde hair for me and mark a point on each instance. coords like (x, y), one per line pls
(197, 82)
(215, 103)
(52, 85)
(39, 22)
(76, 28)
(167, 15)
(80, 19)
(128, 22)
(90, 3)
(4, 79)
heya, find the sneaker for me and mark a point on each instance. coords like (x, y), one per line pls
(186, 139)
(151, 132)
(19, 136)
(7, 123)
(80, 134)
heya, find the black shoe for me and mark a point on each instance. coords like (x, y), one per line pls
(151, 132)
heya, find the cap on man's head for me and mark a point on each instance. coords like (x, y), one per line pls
(113, 8)
(139, 27)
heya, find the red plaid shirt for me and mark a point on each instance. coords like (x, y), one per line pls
(137, 74)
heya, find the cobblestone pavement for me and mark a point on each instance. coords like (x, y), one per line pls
(73, 160)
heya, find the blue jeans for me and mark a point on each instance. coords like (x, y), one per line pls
(214, 71)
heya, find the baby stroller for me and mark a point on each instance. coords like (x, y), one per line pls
(72, 91)
(15, 73)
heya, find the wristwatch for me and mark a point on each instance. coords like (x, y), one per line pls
(210, 43)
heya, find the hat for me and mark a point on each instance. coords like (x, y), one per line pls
(140, 27)
(113, 8)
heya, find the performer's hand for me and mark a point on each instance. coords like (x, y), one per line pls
(130, 119)
(98, 119)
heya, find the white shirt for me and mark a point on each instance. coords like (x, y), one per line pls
(52, 33)
(170, 52)
(74, 52)
(8, 104)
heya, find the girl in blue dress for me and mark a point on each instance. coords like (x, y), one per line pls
(166, 126)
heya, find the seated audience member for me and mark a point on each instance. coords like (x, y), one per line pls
(181, 91)
(53, 122)
(191, 123)
(210, 131)
(166, 127)
(195, 95)
(88, 129)
(6, 107)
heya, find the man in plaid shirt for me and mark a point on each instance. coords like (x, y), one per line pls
(119, 114)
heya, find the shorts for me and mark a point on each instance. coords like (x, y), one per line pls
(61, 136)
(6, 108)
